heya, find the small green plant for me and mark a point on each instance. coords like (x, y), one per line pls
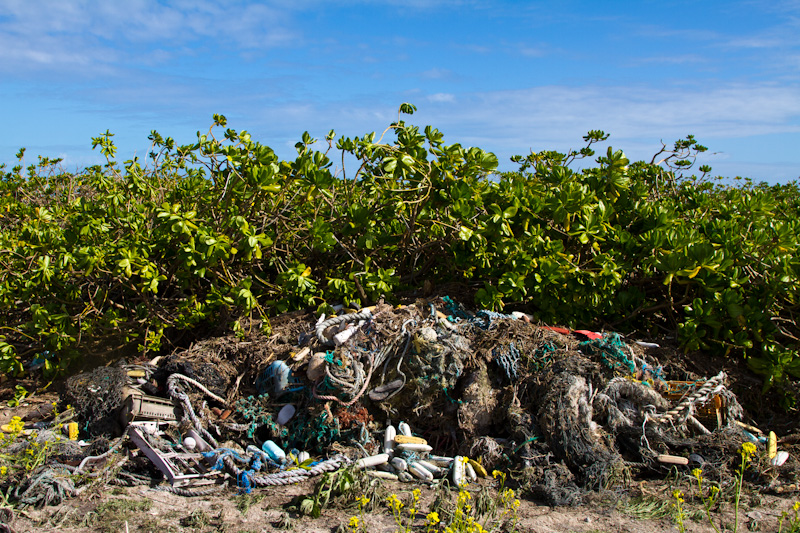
(794, 519)
(680, 516)
(196, 519)
(746, 453)
(245, 501)
(356, 523)
(709, 498)
(339, 483)
(20, 393)
(110, 516)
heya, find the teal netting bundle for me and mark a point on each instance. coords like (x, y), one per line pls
(485, 319)
(610, 348)
(543, 355)
(454, 310)
(315, 433)
(255, 411)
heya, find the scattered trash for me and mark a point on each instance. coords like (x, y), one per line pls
(569, 410)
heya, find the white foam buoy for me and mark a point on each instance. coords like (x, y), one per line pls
(459, 478)
(374, 460)
(471, 472)
(388, 439)
(404, 429)
(430, 467)
(382, 475)
(422, 473)
(286, 414)
(780, 458)
(399, 464)
(413, 447)
(438, 460)
(189, 443)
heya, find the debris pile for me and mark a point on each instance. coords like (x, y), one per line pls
(568, 411)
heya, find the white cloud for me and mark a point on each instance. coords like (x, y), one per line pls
(85, 34)
(442, 97)
(436, 73)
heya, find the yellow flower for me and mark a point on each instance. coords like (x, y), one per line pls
(16, 425)
(432, 518)
(496, 473)
(394, 502)
(796, 506)
(3, 470)
(748, 449)
(698, 474)
(353, 522)
(678, 495)
(362, 501)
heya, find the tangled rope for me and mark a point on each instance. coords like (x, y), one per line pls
(189, 493)
(247, 478)
(365, 314)
(685, 408)
(49, 487)
(188, 411)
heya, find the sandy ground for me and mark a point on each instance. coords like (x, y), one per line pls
(143, 509)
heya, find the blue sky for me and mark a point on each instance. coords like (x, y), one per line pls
(509, 77)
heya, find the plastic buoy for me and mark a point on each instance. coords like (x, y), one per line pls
(779, 458)
(388, 439)
(189, 443)
(673, 460)
(458, 472)
(470, 472)
(405, 439)
(71, 430)
(274, 451)
(382, 475)
(438, 460)
(772, 444)
(399, 464)
(374, 460)
(422, 473)
(316, 366)
(286, 414)
(479, 469)
(430, 467)
(413, 448)
(404, 429)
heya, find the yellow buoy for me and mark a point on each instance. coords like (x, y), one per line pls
(772, 444)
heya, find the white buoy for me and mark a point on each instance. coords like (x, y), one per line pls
(374, 460)
(780, 458)
(382, 475)
(286, 414)
(419, 448)
(399, 464)
(471, 472)
(422, 473)
(404, 429)
(189, 443)
(438, 460)
(430, 467)
(388, 439)
(459, 478)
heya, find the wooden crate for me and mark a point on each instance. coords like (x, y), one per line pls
(710, 411)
